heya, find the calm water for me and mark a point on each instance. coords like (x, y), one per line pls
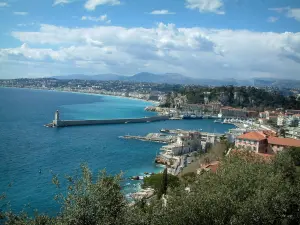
(26, 146)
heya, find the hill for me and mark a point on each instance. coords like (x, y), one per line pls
(175, 78)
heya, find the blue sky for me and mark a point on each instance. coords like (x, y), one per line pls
(198, 38)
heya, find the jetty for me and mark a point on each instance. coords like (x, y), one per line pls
(57, 122)
(153, 137)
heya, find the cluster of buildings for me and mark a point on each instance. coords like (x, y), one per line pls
(145, 91)
(231, 112)
(266, 142)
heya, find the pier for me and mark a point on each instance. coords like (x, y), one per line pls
(57, 122)
(152, 137)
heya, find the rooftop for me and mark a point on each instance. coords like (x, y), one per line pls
(212, 166)
(284, 141)
(255, 135)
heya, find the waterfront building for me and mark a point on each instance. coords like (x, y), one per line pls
(264, 142)
(185, 143)
(252, 114)
(211, 108)
(233, 112)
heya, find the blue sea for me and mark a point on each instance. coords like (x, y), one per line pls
(30, 153)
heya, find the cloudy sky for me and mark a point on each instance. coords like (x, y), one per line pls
(197, 38)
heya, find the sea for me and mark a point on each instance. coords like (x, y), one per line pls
(30, 154)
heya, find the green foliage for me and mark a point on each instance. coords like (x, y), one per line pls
(244, 190)
(88, 202)
(295, 155)
(241, 97)
(189, 177)
(164, 184)
(155, 181)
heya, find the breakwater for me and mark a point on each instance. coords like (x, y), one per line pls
(67, 123)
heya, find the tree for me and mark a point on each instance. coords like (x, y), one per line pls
(164, 184)
(156, 181)
(295, 155)
(189, 177)
(282, 132)
(246, 189)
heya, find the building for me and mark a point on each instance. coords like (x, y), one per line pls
(252, 114)
(292, 121)
(185, 143)
(179, 101)
(281, 120)
(255, 141)
(269, 114)
(233, 112)
(213, 167)
(264, 142)
(292, 111)
(212, 108)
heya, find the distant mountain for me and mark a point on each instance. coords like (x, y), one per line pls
(175, 78)
(170, 78)
(279, 83)
(89, 77)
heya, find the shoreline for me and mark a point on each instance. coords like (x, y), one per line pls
(87, 93)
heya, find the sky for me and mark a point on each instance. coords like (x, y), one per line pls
(218, 39)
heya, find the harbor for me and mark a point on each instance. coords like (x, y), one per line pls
(181, 146)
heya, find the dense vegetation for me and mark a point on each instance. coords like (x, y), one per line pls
(245, 190)
(250, 97)
(160, 182)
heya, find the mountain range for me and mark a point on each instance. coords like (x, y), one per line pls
(175, 78)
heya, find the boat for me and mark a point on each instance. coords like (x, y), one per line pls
(164, 131)
(218, 121)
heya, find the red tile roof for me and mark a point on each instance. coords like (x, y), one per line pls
(284, 141)
(212, 166)
(256, 136)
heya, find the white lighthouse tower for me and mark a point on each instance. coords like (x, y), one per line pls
(56, 119)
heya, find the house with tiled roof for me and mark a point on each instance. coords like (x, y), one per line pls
(264, 142)
(255, 141)
(276, 144)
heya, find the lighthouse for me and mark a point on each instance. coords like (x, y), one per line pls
(56, 119)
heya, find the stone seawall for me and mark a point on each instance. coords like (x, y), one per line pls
(67, 123)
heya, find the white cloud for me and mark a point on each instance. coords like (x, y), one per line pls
(213, 6)
(279, 10)
(294, 13)
(196, 51)
(25, 24)
(162, 12)
(61, 2)
(92, 4)
(272, 19)
(21, 13)
(289, 12)
(4, 4)
(102, 18)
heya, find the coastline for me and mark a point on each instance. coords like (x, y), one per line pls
(87, 93)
